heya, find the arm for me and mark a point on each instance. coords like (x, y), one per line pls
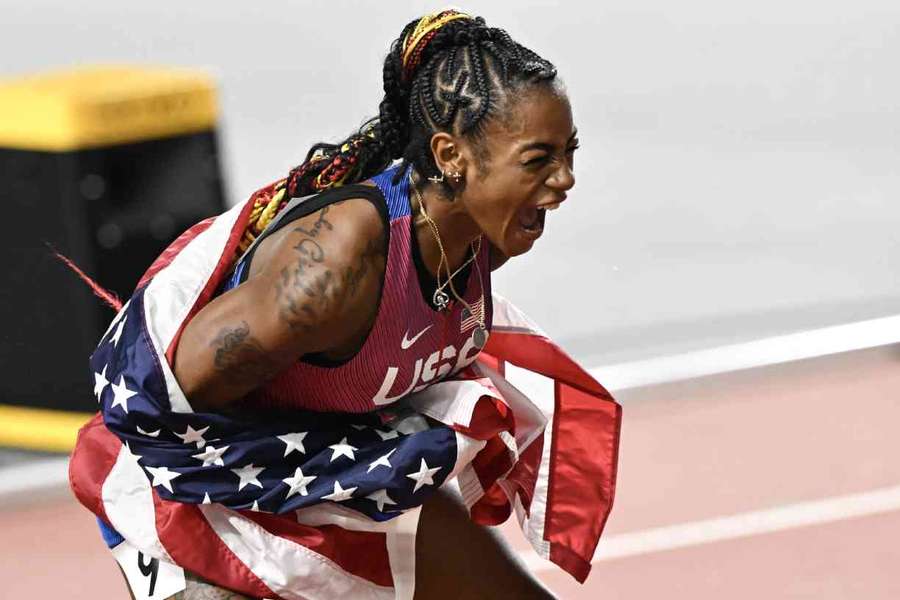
(313, 287)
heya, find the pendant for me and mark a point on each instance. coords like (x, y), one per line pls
(440, 299)
(479, 336)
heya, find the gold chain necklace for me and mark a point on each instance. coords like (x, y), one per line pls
(439, 292)
(440, 297)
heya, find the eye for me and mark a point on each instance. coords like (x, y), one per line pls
(536, 161)
(573, 148)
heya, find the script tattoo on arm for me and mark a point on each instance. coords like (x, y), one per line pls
(239, 356)
(322, 222)
(303, 289)
(307, 290)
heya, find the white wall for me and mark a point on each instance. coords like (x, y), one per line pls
(739, 167)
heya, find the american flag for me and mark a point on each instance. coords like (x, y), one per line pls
(278, 505)
(471, 318)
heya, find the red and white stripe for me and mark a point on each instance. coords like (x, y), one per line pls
(475, 317)
(564, 516)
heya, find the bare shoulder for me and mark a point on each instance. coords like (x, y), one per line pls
(344, 228)
(321, 272)
(313, 288)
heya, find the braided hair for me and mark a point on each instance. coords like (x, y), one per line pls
(445, 72)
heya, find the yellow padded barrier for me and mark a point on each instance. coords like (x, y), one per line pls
(95, 106)
(40, 429)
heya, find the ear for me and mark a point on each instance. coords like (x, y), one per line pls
(449, 154)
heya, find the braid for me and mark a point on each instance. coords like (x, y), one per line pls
(501, 58)
(445, 72)
(465, 74)
(430, 104)
(332, 165)
(416, 115)
(484, 90)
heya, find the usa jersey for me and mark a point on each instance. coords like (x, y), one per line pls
(411, 344)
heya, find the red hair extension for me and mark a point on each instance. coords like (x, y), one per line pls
(109, 297)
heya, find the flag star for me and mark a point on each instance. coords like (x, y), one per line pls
(255, 507)
(100, 383)
(339, 494)
(121, 394)
(118, 333)
(147, 433)
(298, 483)
(381, 498)
(212, 456)
(248, 475)
(342, 449)
(293, 441)
(162, 476)
(358, 427)
(387, 435)
(423, 476)
(382, 461)
(192, 435)
(206, 499)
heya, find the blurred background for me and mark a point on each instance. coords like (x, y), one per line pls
(728, 263)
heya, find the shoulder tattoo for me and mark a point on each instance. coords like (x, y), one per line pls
(308, 289)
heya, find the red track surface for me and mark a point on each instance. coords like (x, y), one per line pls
(691, 451)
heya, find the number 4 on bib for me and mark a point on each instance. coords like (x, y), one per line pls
(149, 578)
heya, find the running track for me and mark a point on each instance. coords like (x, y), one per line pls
(780, 481)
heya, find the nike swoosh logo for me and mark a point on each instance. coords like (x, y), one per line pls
(406, 342)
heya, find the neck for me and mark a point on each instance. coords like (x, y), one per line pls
(456, 228)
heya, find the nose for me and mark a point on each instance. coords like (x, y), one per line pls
(563, 178)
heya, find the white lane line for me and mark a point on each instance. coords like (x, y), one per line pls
(758, 353)
(34, 475)
(757, 522)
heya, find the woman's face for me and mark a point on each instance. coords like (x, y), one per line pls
(528, 170)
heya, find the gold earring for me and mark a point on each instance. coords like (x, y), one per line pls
(456, 175)
(434, 179)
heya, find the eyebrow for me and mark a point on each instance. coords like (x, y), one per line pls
(544, 145)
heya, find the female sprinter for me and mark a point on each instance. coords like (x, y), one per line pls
(361, 294)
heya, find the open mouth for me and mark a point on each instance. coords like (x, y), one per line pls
(531, 219)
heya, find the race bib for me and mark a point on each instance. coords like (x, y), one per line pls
(149, 578)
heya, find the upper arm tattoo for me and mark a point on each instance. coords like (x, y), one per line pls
(308, 289)
(239, 356)
(321, 223)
